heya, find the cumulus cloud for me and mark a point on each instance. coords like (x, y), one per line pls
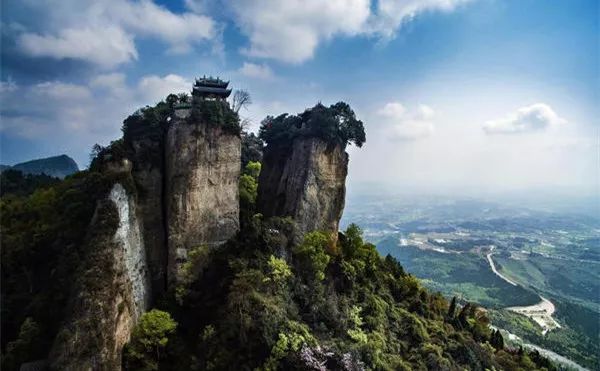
(389, 15)
(103, 33)
(178, 30)
(80, 114)
(256, 71)
(155, 88)
(106, 46)
(535, 117)
(403, 124)
(291, 31)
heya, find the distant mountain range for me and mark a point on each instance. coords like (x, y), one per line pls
(56, 166)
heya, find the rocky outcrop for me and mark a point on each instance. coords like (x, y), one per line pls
(306, 182)
(202, 163)
(112, 290)
(148, 174)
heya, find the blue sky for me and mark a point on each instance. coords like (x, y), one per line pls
(455, 94)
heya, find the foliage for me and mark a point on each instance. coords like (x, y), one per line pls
(253, 169)
(197, 259)
(216, 113)
(149, 338)
(336, 124)
(42, 245)
(270, 300)
(252, 147)
(19, 184)
(279, 271)
(311, 254)
(248, 187)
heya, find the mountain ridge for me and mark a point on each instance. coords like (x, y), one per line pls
(56, 166)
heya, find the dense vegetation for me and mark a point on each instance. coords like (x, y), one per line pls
(42, 245)
(336, 124)
(16, 183)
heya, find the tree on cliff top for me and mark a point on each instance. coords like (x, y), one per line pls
(336, 124)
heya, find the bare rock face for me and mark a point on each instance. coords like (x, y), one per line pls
(148, 173)
(202, 165)
(306, 182)
(111, 293)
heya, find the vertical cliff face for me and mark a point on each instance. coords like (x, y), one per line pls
(148, 174)
(202, 163)
(112, 290)
(306, 182)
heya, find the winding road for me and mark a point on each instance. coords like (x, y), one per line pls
(541, 312)
(489, 258)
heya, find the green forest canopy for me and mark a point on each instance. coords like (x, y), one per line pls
(336, 124)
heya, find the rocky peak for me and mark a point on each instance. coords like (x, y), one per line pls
(202, 163)
(305, 165)
(306, 182)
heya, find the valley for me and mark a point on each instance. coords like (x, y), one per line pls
(537, 272)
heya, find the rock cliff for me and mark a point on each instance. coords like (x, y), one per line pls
(148, 174)
(112, 290)
(306, 182)
(202, 163)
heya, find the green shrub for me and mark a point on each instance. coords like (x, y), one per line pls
(149, 339)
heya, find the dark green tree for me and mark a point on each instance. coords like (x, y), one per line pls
(452, 308)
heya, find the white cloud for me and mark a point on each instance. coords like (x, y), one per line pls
(291, 30)
(179, 30)
(109, 81)
(105, 46)
(424, 112)
(62, 91)
(403, 124)
(535, 117)
(256, 71)
(103, 33)
(152, 89)
(389, 15)
(392, 110)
